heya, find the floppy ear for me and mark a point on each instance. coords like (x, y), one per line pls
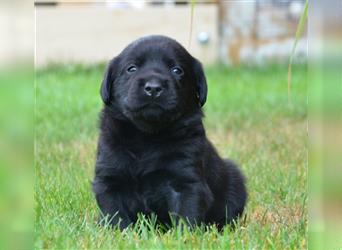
(107, 82)
(201, 82)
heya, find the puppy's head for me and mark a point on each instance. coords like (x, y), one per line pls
(154, 81)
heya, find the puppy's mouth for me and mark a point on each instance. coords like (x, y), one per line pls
(152, 106)
(152, 112)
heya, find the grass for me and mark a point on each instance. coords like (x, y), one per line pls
(248, 118)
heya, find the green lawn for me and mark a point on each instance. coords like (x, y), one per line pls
(248, 118)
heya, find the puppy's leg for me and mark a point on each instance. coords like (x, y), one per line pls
(190, 202)
(111, 205)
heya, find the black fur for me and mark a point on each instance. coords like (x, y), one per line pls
(153, 154)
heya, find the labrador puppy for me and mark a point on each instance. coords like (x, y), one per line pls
(153, 154)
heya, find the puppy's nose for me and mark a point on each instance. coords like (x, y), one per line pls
(153, 88)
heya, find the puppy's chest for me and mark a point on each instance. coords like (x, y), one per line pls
(148, 158)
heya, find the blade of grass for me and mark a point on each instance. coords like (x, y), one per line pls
(193, 3)
(299, 33)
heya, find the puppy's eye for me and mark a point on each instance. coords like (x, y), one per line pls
(131, 68)
(177, 71)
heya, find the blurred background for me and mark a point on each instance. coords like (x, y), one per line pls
(229, 32)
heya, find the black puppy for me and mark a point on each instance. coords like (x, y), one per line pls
(153, 155)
